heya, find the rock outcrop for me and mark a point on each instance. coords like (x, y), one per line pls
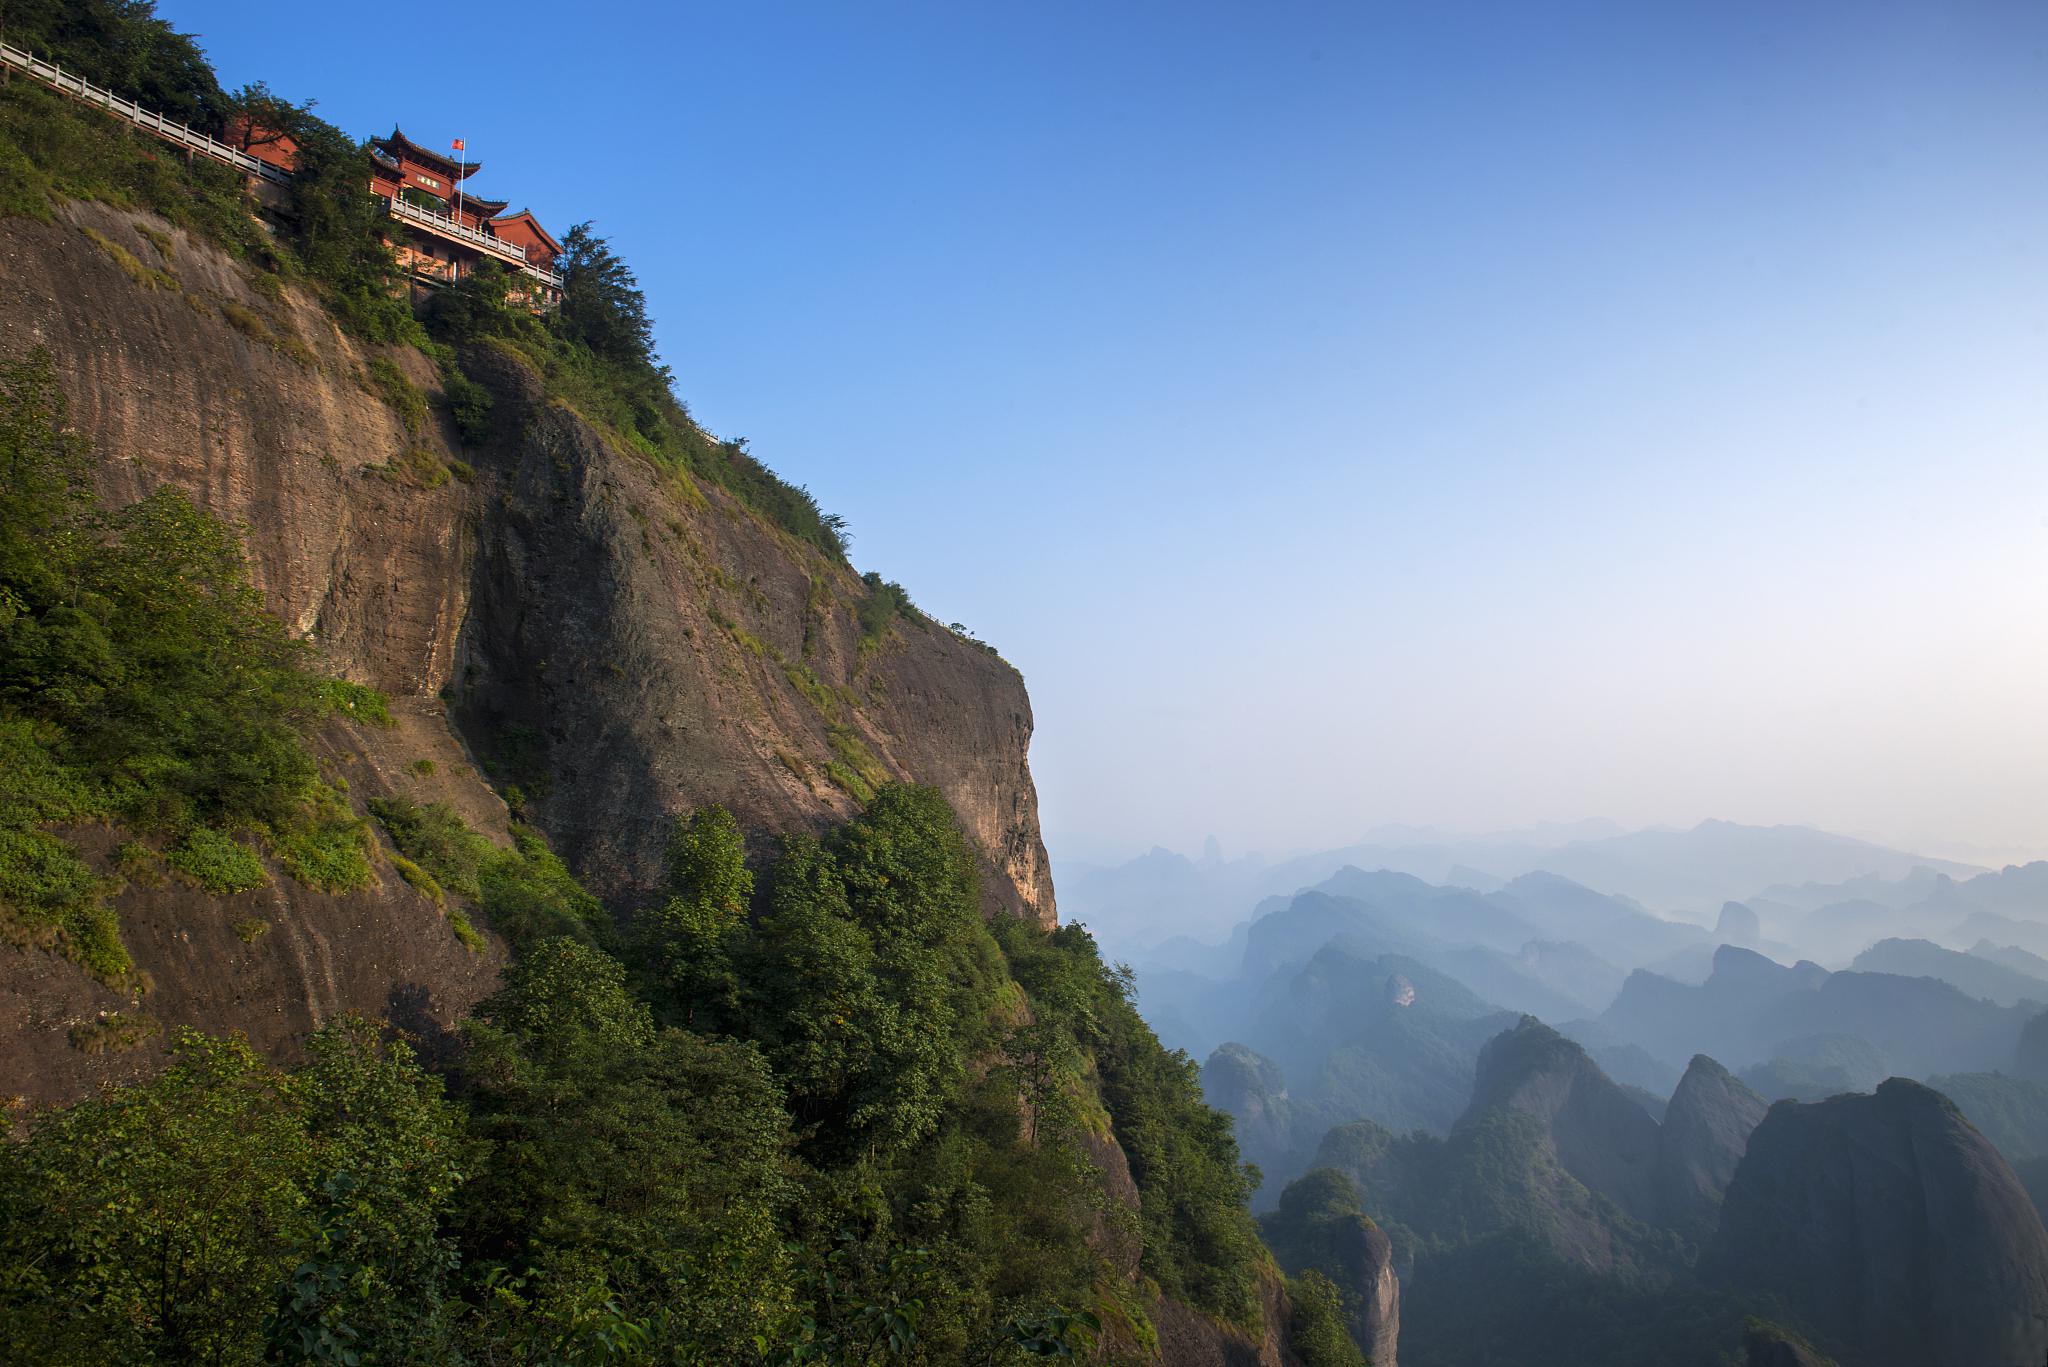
(621, 642)
(1737, 925)
(1321, 1224)
(1601, 1136)
(1890, 1225)
(1705, 1131)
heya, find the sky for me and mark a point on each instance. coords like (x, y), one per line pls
(1451, 414)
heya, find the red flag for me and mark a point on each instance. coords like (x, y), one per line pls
(458, 144)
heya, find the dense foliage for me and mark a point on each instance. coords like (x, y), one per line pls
(227, 1210)
(141, 681)
(823, 1115)
(123, 46)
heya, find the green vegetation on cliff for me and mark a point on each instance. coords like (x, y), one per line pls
(818, 1112)
(827, 1115)
(596, 352)
(141, 682)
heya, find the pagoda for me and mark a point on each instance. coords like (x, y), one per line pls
(448, 231)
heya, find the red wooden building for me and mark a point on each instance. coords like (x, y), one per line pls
(440, 231)
(449, 230)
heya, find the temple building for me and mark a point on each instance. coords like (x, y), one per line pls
(450, 230)
(441, 231)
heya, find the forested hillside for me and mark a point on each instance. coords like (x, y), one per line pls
(485, 880)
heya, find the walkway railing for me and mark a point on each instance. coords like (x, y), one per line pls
(452, 227)
(50, 74)
(182, 135)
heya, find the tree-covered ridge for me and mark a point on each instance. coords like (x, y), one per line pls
(825, 1114)
(596, 352)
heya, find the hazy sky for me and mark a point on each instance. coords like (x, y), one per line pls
(1441, 413)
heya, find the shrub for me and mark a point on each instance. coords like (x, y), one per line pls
(114, 1034)
(420, 879)
(469, 404)
(357, 702)
(884, 604)
(406, 399)
(527, 892)
(217, 862)
(1320, 1335)
(142, 682)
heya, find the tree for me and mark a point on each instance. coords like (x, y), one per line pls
(603, 307)
(635, 1174)
(122, 45)
(707, 868)
(257, 116)
(337, 228)
(172, 1221)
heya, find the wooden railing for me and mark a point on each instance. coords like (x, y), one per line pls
(182, 135)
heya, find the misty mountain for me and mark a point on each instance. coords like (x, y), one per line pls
(1321, 1224)
(1382, 1036)
(1138, 905)
(2013, 957)
(1720, 861)
(2011, 1112)
(1839, 931)
(1833, 923)
(1893, 1226)
(1971, 973)
(1896, 892)
(1550, 1144)
(1990, 927)
(1814, 1067)
(1751, 1006)
(1456, 916)
(1701, 1139)
(1616, 929)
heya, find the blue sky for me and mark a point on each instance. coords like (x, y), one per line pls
(1454, 414)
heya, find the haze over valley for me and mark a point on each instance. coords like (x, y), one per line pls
(1612, 1014)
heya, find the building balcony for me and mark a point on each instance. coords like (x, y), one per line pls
(449, 229)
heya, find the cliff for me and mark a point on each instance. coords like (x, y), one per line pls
(1600, 1136)
(1892, 1226)
(1705, 1130)
(1321, 1224)
(619, 642)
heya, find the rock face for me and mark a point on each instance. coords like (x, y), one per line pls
(1891, 1226)
(1321, 1224)
(1602, 1138)
(624, 643)
(1706, 1129)
(650, 650)
(1738, 925)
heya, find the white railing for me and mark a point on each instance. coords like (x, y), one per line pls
(50, 74)
(450, 226)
